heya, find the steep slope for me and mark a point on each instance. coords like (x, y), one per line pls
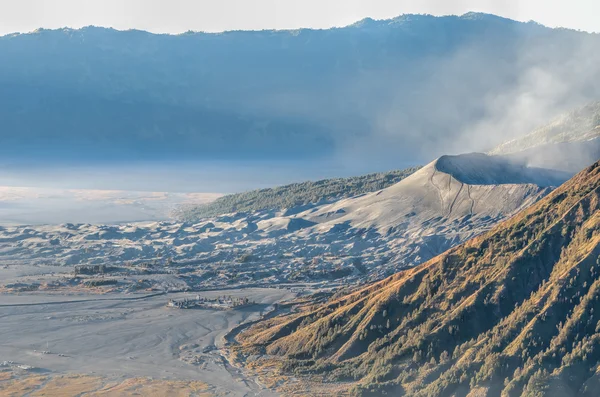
(93, 93)
(452, 190)
(419, 217)
(295, 195)
(571, 142)
(509, 313)
(479, 169)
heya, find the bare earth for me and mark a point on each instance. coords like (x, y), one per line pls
(122, 347)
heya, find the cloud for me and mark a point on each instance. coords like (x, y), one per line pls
(476, 96)
(547, 87)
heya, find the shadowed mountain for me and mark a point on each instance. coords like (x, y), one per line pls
(509, 313)
(479, 169)
(365, 92)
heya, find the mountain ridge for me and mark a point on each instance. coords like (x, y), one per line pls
(358, 95)
(292, 196)
(472, 15)
(479, 169)
(500, 306)
(430, 195)
(470, 169)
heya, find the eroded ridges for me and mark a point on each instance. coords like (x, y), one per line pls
(516, 303)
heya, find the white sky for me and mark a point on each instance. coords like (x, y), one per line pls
(175, 16)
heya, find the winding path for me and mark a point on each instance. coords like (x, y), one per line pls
(454, 201)
(438, 189)
(470, 198)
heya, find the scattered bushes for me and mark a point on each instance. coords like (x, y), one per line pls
(296, 194)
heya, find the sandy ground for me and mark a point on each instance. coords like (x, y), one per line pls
(123, 340)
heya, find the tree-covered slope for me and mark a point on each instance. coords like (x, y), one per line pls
(512, 312)
(406, 87)
(296, 194)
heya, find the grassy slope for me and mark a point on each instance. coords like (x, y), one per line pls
(296, 194)
(512, 312)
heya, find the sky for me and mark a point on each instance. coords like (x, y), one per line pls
(176, 16)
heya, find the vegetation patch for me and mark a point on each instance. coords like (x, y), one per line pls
(510, 313)
(294, 195)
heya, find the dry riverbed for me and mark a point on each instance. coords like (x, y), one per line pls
(113, 345)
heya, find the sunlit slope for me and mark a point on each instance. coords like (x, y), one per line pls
(295, 195)
(466, 188)
(509, 313)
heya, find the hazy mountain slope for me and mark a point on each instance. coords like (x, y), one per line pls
(511, 313)
(365, 92)
(570, 142)
(295, 195)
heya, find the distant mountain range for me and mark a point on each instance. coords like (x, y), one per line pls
(509, 313)
(408, 88)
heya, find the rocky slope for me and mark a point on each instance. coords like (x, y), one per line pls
(462, 191)
(370, 236)
(509, 313)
